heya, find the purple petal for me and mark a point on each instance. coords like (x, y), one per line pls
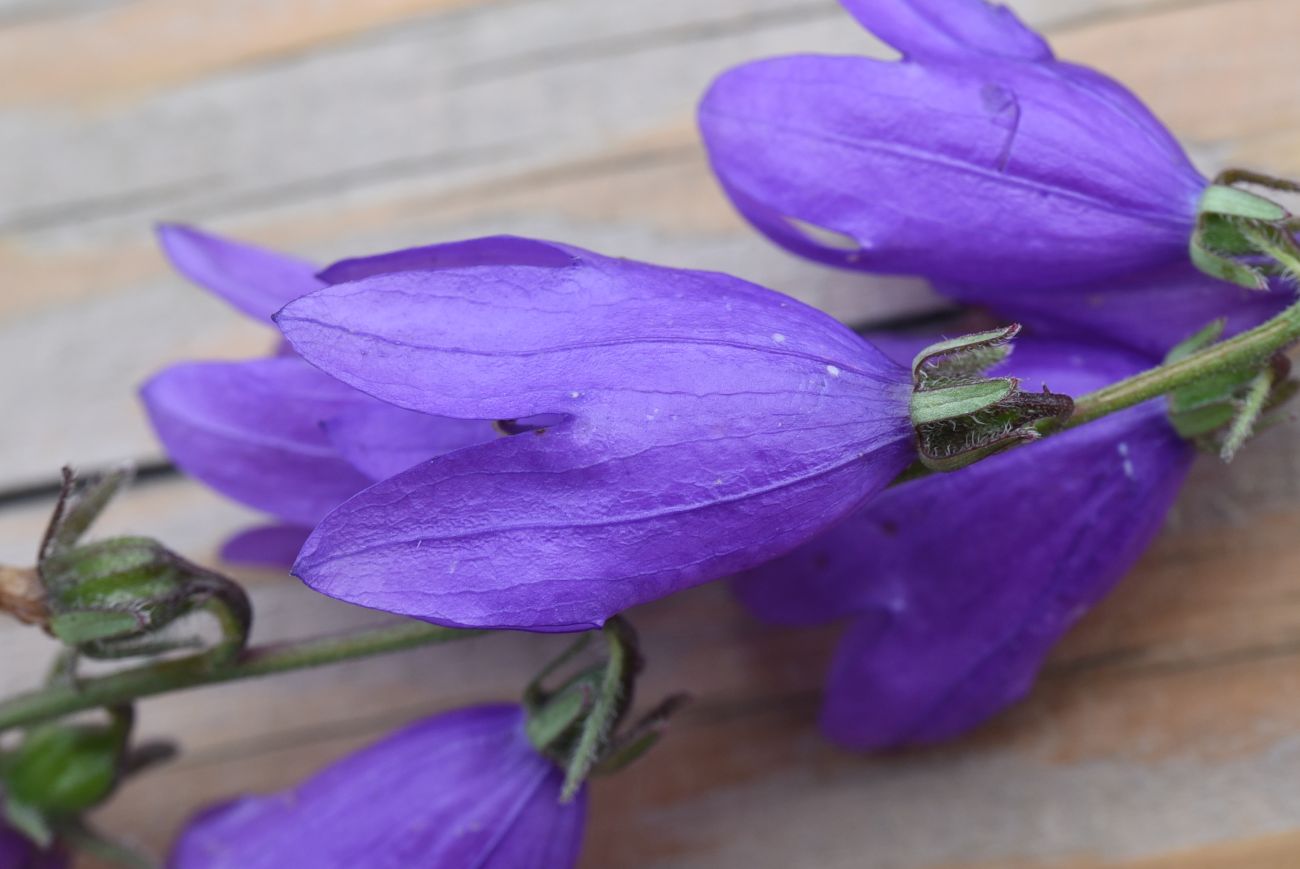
(711, 424)
(1149, 311)
(988, 172)
(17, 852)
(491, 250)
(380, 440)
(512, 340)
(461, 789)
(252, 431)
(831, 576)
(266, 546)
(257, 281)
(949, 28)
(963, 582)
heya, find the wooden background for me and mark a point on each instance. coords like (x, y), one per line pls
(1167, 730)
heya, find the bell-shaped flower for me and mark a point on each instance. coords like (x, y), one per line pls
(978, 159)
(276, 434)
(956, 586)
(465, 788)
(698, 425)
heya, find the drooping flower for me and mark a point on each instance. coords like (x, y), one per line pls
(276, 434)
(705, 424)
(978, 159)
(465, 788)
(956, 586)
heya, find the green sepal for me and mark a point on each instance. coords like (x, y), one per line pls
(1232, 223)
(91, 626)
(28, 821)
(933, 405)
(1198, 341)
(957, 460)
(1249, 409)
(1216, 265)
(960, 359)
(557, 719)
(1235, 202)
(961, 416)
(578, 725)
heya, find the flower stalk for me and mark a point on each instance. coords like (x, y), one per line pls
(58, 700)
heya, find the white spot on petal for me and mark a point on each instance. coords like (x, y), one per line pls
(832, 371)
(778, 337)
(575, 394)
(1127, 463)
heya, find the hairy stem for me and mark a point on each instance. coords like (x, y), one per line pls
(161, 677)
(1246, 352)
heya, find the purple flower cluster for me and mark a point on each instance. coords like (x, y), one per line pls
(515, 434)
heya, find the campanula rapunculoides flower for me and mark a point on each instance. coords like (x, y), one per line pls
(465, 788)
(276, 434)
(977, 159)
(705, 424)
(957, 585)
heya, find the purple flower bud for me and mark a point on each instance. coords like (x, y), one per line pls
(959, 584)
(464, 788)
(276, 434)
(703, 425)
(978, 159)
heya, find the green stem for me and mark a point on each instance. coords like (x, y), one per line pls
(1246, 352)
(126, 686)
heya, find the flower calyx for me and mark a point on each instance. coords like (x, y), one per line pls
(961, 416)
(580, 725)
(1221, 411)
(127, 596)
(1238, 230)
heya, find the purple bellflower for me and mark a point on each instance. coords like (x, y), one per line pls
(701, 425)
(276, 434)
(978, 159)
(465, 788)
(957, 585)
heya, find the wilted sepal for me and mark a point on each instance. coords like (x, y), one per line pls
(1228, 223)
(960, 416)
(577, 725)
(115, 598)
(1220, 411)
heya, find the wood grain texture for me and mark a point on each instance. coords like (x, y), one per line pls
(1164, 733)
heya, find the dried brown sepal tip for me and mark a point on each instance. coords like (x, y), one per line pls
(960, 416)
(22, 596)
